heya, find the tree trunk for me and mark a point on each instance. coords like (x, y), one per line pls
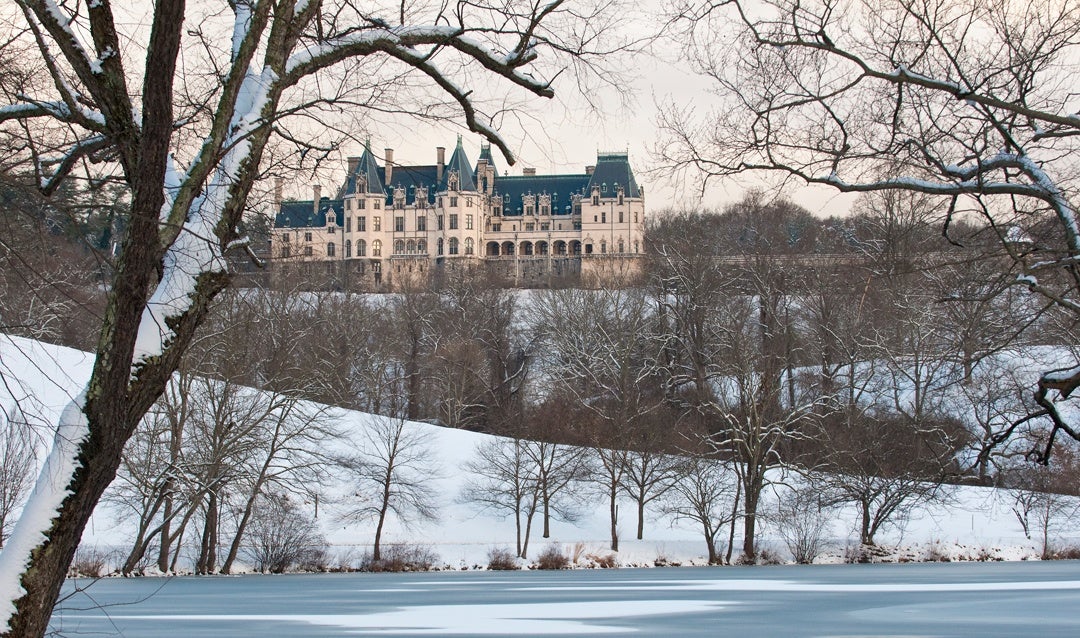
(547, 515)
(40, 581)
(166, 529)
(528, 530)
(734, 520)
(865, 537)
(241, 527)
(710, 544)
(208, 552)
(753, 494)
(376, 550)
(614, 512)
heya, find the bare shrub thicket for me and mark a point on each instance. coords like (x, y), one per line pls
(553, 557)
(803, 522)
(283, 537)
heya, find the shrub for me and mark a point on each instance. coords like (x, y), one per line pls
(89, 562)
(313, 559)
(1071, 552)
(802, 522)
(401, 557)
(604, 561)
(552, 558)
(500, 559)
(281, 536)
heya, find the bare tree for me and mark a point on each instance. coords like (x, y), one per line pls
(1044, 499)
(391, 471)
(504, 482)
(703, 494)
(886, 466)
(18, 459)
(217, 107)
(601, 347)
(969, 103)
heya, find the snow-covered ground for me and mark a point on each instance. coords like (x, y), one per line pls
(975, 524)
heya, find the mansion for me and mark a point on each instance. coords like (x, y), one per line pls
(394, 221)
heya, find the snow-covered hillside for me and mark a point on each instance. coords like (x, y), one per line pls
(39, 379)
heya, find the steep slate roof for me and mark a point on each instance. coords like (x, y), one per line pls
(302, 214)
(562, 188)
(611, 169)
(409, 177)
(614, 169)
(367, 168)
(460, 163)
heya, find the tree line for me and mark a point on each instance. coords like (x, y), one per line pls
(877, 381)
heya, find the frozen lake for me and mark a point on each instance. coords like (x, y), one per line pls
(984, 599)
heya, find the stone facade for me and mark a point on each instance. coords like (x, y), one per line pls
(392, 222)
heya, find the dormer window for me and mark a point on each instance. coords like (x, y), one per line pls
(453, 180)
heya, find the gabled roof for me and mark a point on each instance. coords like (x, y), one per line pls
(303, 215)
(459, 163)
(613, 170)
(561, 188)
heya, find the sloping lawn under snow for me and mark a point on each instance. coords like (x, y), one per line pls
(975, 524)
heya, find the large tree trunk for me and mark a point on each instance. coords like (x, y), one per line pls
(44, 577)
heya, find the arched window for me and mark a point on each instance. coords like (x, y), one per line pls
(348, 249)
(621, 246)
(376, 248)
(330, 252)
(399, 247)
(439, 246)
(410, 247)
(421, 247)
(361, 248)
(468, 245)
(453, 245)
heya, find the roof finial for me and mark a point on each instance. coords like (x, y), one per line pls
(367, 143)
(459, 140)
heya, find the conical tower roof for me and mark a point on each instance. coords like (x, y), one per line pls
(365, 179)
(460, 165)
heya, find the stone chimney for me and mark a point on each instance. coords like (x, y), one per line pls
(278, 186)
(491, 180)
(354, 163)
(482, 175)
(389, 166)
(316, 195)
(440, 162)
(528, 172)
(589, 170)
